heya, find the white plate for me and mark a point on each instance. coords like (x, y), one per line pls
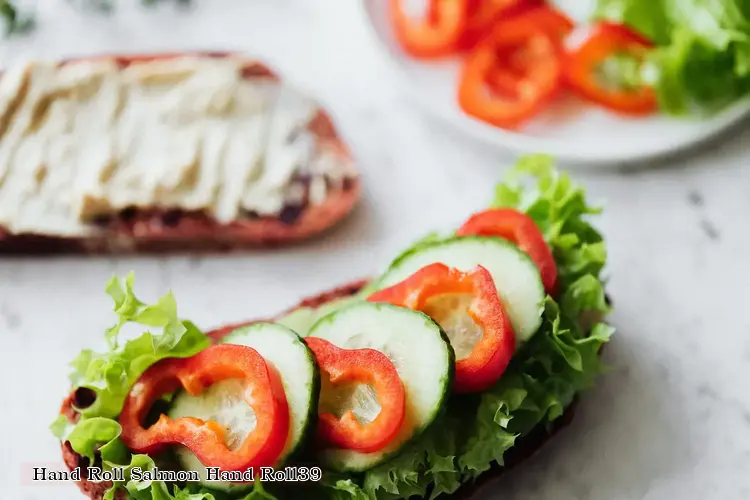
(572, 131)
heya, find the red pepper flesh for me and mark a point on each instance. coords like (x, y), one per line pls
(484, 13)
(607, 40)
(510, 104)
(520, 229)
(552, 21)
(490, 356)
(363, 366)
(265, 394)
(517, 70)
(434, 36)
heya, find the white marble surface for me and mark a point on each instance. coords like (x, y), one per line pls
(672, 419)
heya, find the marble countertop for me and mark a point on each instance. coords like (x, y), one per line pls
(671, 420)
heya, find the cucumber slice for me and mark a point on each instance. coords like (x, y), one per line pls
(422, 355)
(224, 401)
(516, 277)
(296, 364)
(302, 319)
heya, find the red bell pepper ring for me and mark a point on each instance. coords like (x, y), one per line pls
(484, 13)
(581, 70)
(520, 99)
(265, 394)
(520, 229)
(489, 357)
(434, 36)
(553, 21)
(364, 366)
(514, 70)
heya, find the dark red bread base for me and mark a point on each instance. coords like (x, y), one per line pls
(524, 449)
(203, 237)
(161, 231)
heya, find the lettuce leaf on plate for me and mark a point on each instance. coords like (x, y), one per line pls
(702, 60)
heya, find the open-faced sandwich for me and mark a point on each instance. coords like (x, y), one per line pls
(427, 381)
(164, 153)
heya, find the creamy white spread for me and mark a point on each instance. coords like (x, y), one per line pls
(88, 139)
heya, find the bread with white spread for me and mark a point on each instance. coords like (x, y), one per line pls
(164, 153)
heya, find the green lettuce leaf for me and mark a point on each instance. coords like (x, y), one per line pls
(111, 374)
(145, 489)
(98, 439)
(557, 364)
(702, 60)
(259, 493)
(559, 208)
(473, 434)
(61, 428)
(100, 436)
(186, 494)
(548, 372)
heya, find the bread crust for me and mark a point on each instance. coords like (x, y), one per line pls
(152, 231)
(524, 448)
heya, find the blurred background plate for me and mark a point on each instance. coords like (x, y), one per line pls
(570, 130)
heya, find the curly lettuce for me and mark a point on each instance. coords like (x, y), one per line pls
(702, 60)
(474, 433)
(544, 377)
(111, 374)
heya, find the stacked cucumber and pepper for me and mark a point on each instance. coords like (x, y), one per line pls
(413, 386)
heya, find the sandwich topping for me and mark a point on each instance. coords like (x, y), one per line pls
(85, 140)
(467, 307)
(410, 387)
(519, 228)
(264, 393)
(344, 372)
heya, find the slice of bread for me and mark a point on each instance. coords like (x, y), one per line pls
(314, 199)
(524, 448)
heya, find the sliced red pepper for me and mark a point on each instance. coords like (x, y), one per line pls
(520, 229)
(583, 65)
(435, 35)
(484, 13)
(436, 290)
(261, 447)
(517, 102)
(553, 21)
(363, 366)
(515, 74)
(514, 68)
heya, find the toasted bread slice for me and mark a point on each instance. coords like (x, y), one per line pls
(291, 179)
(524, 448)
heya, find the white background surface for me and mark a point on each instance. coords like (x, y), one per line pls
(672, 420)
